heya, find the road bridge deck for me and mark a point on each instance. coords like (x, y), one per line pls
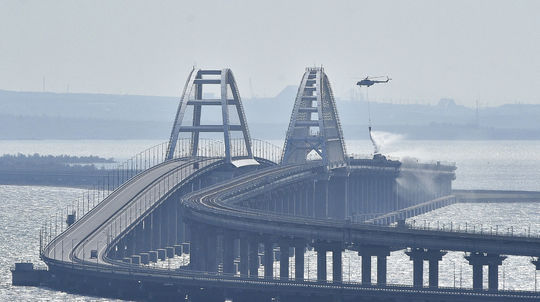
(97, 228)
(218, 206)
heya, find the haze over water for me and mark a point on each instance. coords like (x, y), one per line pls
(513, 165)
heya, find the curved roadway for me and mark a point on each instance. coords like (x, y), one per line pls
(114, 215)
(218, 204)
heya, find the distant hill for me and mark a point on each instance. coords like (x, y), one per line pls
(36, 115)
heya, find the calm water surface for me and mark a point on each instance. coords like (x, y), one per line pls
(513, 165)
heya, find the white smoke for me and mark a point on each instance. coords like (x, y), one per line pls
(384, 140)
(415, 178)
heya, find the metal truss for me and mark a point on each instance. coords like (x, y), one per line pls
(235, 150)
(314, 124)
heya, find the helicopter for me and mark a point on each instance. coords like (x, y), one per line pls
(370, 81)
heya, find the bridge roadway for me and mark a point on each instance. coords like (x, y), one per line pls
(113, 216)
(219, 205)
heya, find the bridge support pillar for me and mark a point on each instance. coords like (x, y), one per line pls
(211, 250)
(299, 247)
(253, 257)
(173, 221)
(180, 227)
(203, 249)
(147, 233)
(196, 248)
(244, 258)
(163, 224)
(418, 256)
(337, 270)
(297, 199)
(434, 272)
(304, 199)
(274, 200)
(268, 259)
(119, 252)
(130, 244)
(366, 252)
(337, 203)
(477, 276)
(139, 238)
(125, 247)
(382, 269)
(478, 260)
(366, 269)
(321, 198)
(155, 226)
(284, 259)
(310, 198)
(493, 276)
(321, 250)
(228, 253)
(418, 272)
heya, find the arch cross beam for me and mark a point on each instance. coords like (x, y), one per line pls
(236, 150)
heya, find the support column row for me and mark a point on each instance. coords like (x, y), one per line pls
(418, 256)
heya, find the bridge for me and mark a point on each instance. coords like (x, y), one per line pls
(236, 207)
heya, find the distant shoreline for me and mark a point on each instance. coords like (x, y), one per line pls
(49, 170)
(50, 178)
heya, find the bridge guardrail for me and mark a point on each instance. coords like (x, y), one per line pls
(132, 167)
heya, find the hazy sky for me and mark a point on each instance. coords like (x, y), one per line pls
(468, 50)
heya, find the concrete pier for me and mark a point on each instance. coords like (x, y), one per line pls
(418, 256)
(366, 252)
(321, 250)
(284, 259)
(478, 260)
(268, 259)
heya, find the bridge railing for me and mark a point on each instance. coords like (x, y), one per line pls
(235, 198)
(266, 150)
(216, 148)
(113, 178)
(475, 228)
(160, 190)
